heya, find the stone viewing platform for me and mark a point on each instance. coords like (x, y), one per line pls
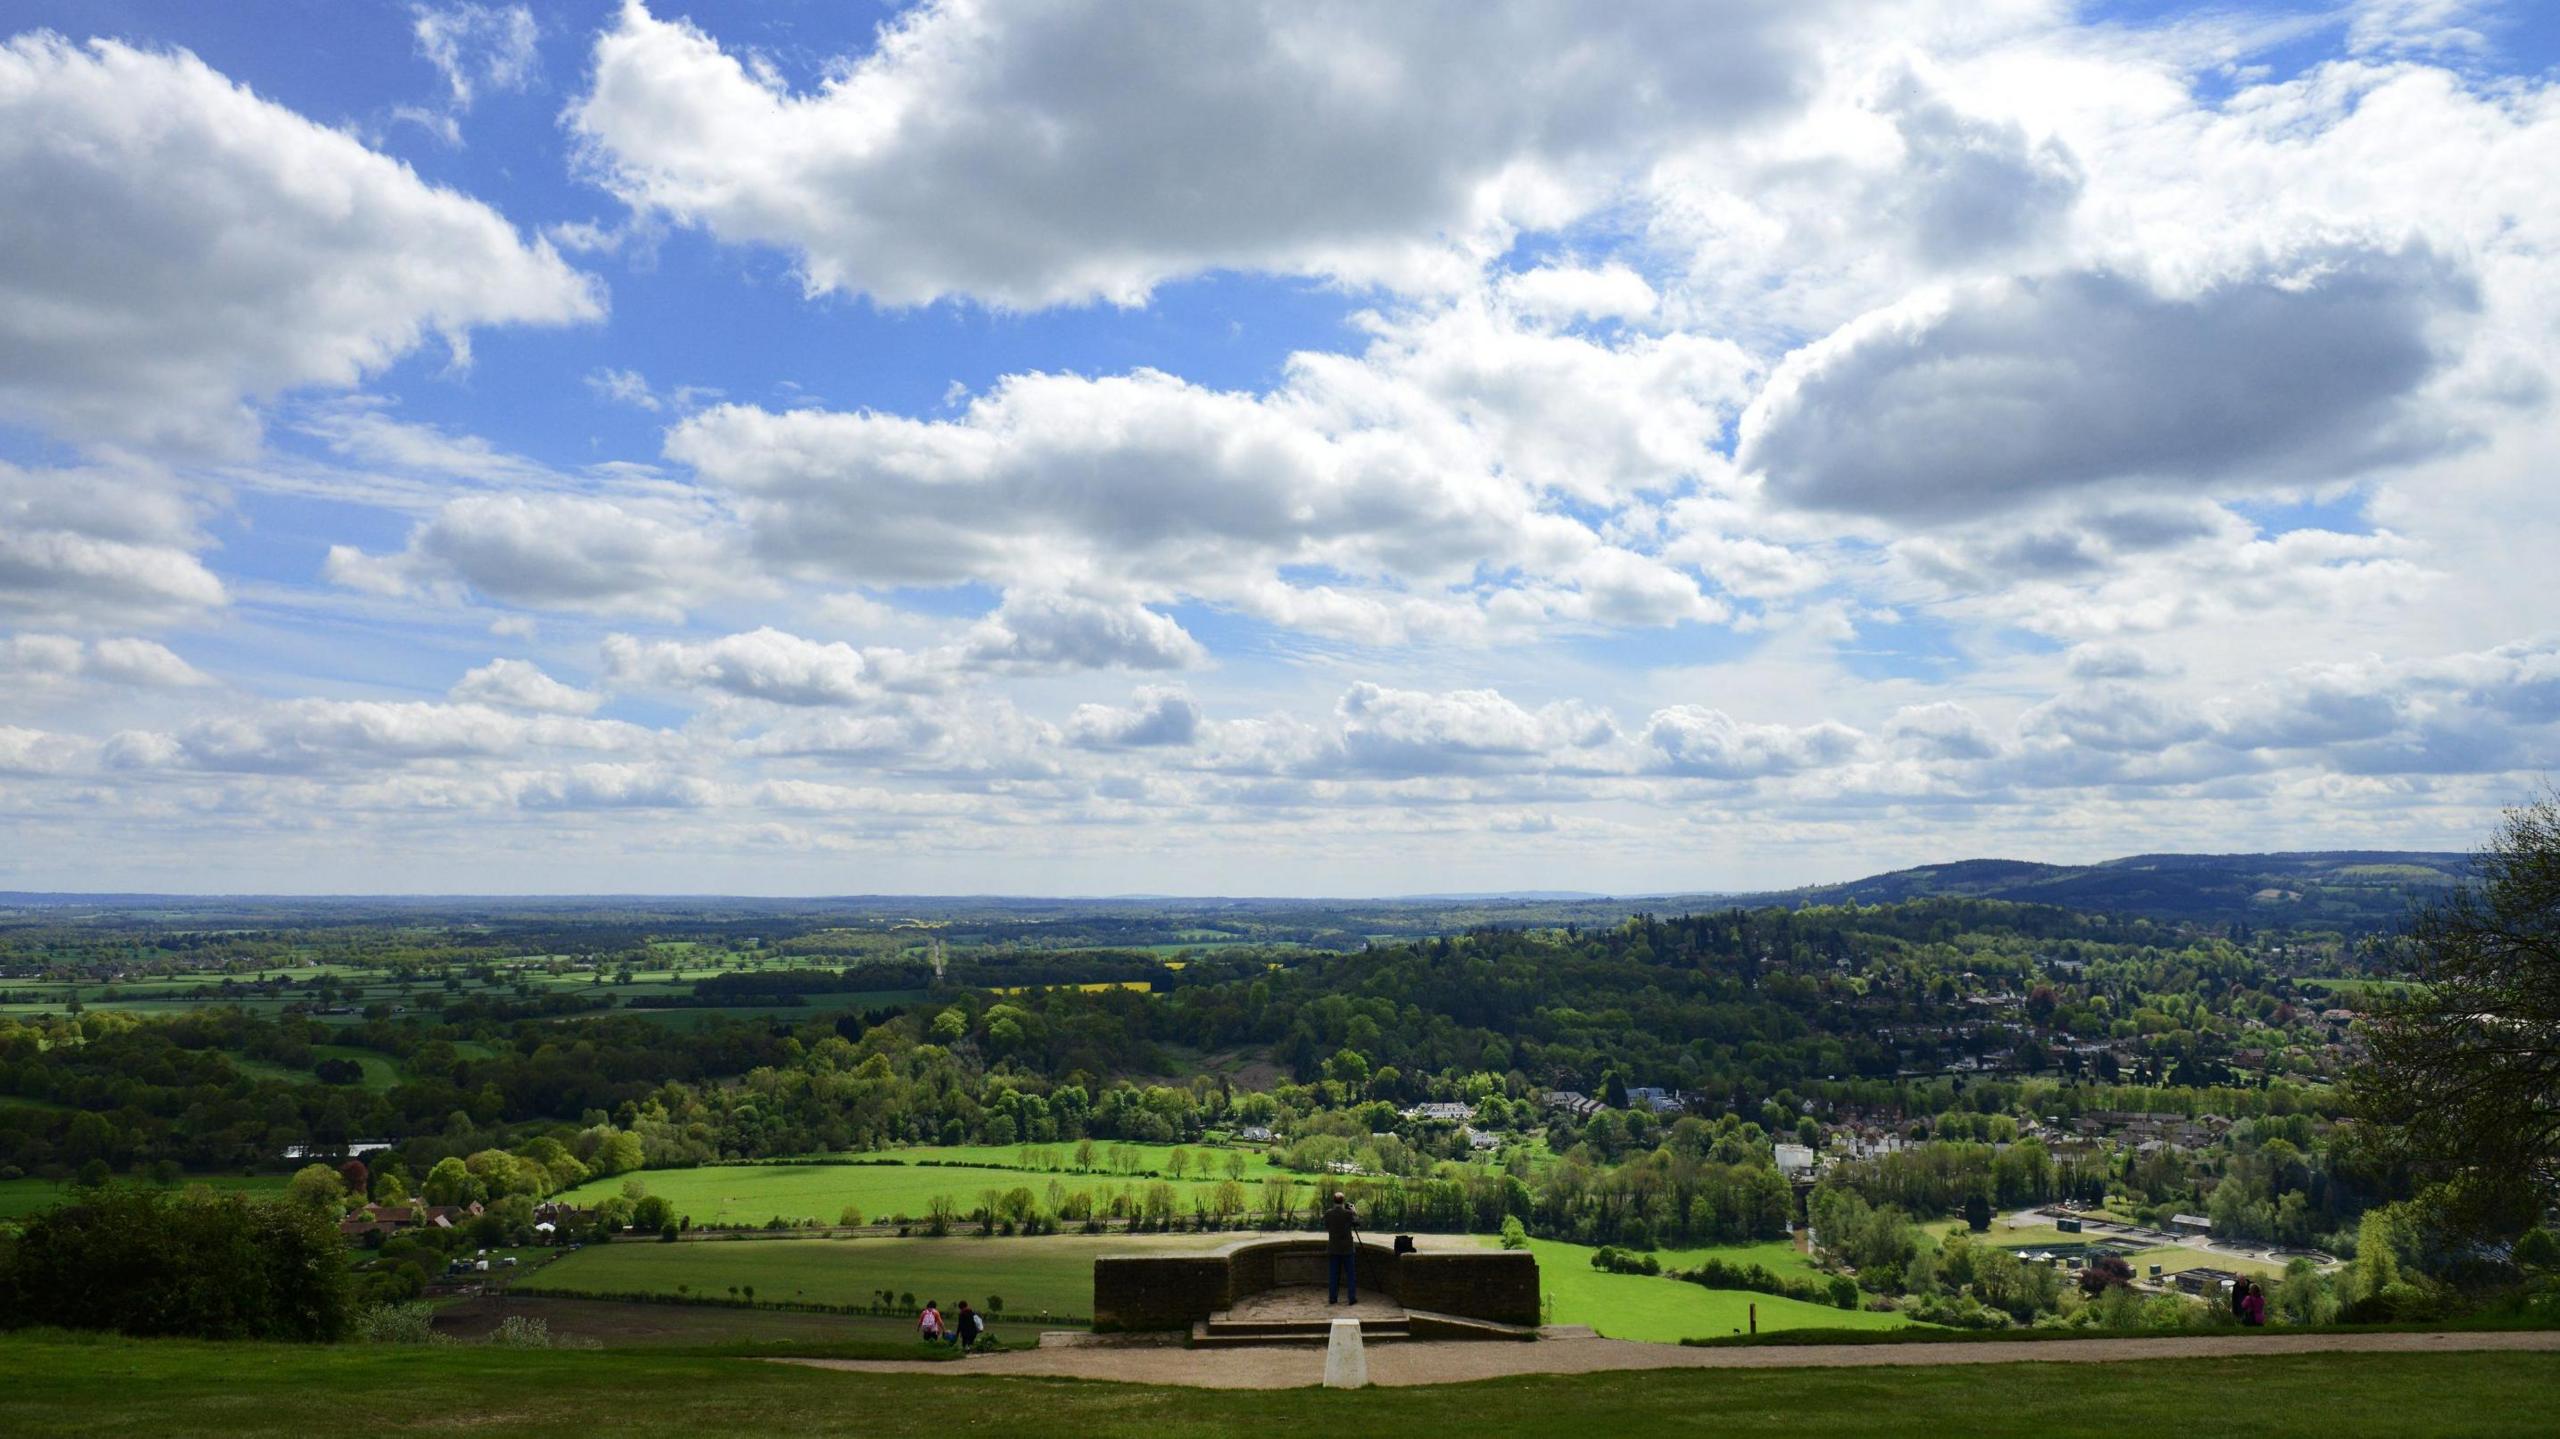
(1298, 1314)
(1271, 1290)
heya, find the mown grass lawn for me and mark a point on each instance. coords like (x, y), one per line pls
(1666, 1311)
(1053, 1273)
(754, 1193)
(162, 1388)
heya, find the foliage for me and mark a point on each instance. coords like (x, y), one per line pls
(146, 1262)
(410, 1323)
(518, 1331)
(2463, 1082)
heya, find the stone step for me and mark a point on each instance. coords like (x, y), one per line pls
(1221, 1332)
(1225, 1322)
(1423, 1324)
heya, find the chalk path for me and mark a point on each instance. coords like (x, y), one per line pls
(1287, 1367)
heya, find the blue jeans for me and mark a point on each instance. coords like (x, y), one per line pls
(1343, 1270)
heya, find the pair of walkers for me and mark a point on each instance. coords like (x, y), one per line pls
(964, 1328)
(2249, 1303)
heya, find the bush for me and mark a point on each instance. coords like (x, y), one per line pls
(1724, 1274)
(2537, 1249)
(412, 1323)
(1962, 1312)
(516, 1331)
(1613, 1260)
(149, 1263)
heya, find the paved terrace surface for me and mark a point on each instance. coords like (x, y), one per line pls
(1451, 1363)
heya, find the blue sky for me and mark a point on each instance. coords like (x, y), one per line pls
(1002, 448)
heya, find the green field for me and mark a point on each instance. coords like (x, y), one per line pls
(754, 1193)
(1158, 1157)
(1666, 1311)
(2357, 987)
(381, 1071)
(2177, 1259)
(1778, 1256)
(153, 1389)
(1052, 1274)
(694, 1016)
(687, 962)
(22, 1197)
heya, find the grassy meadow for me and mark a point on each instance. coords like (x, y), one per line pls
(109, 1388)
(381, 1071)
(1666, 1311)
(22, 1197)
(731, 1194)
(1052, 1274)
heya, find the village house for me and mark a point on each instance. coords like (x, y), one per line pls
(1659, 1100)
(389, 1219)
(1448, 1113)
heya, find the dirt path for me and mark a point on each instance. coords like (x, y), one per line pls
(1289, 1368)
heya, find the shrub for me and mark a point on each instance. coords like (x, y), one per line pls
(518, 1331)
(1962, 1312)
(146, 1262)
(1724, 1274)
(412, 1323)
(2537, 1249)
(1614, 1260)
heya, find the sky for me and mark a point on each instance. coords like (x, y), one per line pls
(1290, 448)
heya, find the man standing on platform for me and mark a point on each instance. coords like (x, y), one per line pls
(1341, 1243)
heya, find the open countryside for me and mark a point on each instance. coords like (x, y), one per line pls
(1376, 718)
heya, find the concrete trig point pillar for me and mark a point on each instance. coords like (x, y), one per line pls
(1346, 1364)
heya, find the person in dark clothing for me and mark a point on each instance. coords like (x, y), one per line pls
(1341, 1244)
(966, 1326)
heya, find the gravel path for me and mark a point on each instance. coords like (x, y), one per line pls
(1281, 1367)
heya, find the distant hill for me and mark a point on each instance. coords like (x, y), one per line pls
(2354, 890)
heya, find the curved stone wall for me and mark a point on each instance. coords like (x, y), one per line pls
(1174, 1291)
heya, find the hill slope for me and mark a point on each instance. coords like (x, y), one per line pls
(2354, 890)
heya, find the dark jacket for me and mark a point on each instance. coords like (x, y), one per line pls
(1338, 1227)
